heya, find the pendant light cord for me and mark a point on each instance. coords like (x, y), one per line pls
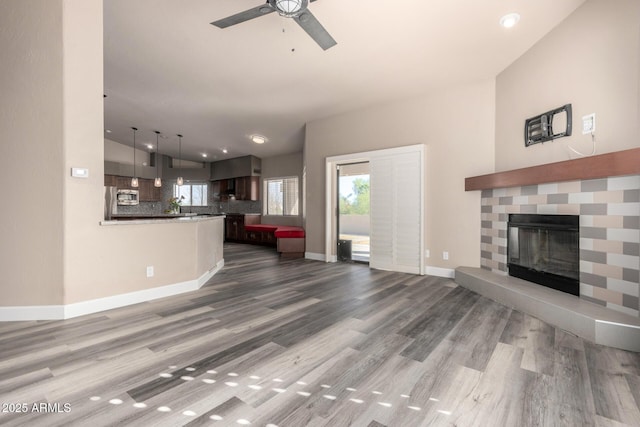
(180, 155)
(158, 181)
(157, 151)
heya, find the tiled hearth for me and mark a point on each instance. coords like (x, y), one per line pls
(609, 210)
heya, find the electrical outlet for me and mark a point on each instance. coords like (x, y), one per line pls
(589, 123)
(150, 271)
(445, 255)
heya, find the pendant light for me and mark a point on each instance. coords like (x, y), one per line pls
(134, 180)
(180, 181)
(158, 181)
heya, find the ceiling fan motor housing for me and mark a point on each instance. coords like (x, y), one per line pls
(289, 8)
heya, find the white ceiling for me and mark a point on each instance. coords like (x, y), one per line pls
(166, 68)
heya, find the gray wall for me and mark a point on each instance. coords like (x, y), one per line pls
(31, 127)
(457, 126)
(590, 60)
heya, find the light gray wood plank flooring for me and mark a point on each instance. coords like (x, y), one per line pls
(291, 342)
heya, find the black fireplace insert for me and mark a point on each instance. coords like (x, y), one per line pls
(545, 249)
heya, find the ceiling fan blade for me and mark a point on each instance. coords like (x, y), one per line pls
(256, 12)
(314, 28)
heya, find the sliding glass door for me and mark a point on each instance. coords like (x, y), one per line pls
(353, 212)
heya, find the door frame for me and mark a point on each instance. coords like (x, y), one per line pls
(331, 209)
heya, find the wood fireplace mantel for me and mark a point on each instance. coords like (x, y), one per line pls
(619, 163)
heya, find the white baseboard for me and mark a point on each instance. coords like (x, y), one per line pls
(31, 312)
(319, 257)
(431, 271)
(59, 312)
(440, 272)
(209, 274)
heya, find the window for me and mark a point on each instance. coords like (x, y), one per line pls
(194, 194)
(281, 196)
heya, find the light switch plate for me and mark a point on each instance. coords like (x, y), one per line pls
(589, 123)
(150, 271)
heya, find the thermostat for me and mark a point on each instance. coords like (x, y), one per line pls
(80, 172)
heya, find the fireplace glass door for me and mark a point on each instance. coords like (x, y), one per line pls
(545, 249)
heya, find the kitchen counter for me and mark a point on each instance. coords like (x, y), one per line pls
(148, 258)
(135, 219)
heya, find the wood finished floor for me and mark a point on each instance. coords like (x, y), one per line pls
(275, 342)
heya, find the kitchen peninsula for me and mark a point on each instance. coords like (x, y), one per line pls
(157, 257)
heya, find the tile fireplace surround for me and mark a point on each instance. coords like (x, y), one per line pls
(604, 191)
(609, 210)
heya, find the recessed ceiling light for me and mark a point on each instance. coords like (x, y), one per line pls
(108, 130)
(225, 151)
(204, 154)
(509, 20)
(150, 147)
(258, 139)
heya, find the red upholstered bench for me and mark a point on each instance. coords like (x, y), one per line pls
(286, 232)
(261, 227)
(290, 240)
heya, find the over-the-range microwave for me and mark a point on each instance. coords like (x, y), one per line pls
(128, 197)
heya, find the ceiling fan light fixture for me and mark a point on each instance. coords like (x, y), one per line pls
(289, 8)
(509, 20)
(296, 9)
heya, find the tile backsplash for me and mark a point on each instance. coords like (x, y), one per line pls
(609, 212)
(143, 208)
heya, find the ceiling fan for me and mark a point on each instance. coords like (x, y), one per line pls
(296, 9)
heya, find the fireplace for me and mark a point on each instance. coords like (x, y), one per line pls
(545, 249)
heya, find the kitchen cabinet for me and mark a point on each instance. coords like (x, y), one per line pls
(244, 188)
(215, 191)
(248, 188)
(222, 188)
(234, 226)
(261, 238)
(124, 183)
(148, 192)
(110, 181)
